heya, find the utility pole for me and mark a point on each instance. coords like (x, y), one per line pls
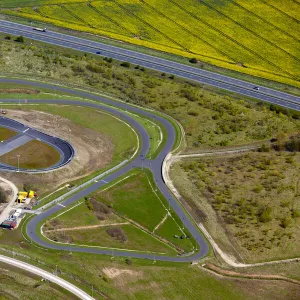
(18, 155)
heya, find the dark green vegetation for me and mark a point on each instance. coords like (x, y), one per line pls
(132, 206)
(6, 133)
(211, 118)
(254, 195)
(33, 155)
(16, 283)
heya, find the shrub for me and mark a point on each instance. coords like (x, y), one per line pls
(265, 215)
(171, 76)
(193, 60)
(117, 233)
(286, 222)
(128, 261)
(295, 213)
(193, 113)
(125, 64)
(88, 204)
(20, 39)
(264, 148)
(8, 37)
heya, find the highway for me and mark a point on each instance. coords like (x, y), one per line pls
(162, 65)
(64, 148)
(152, 62)
(154, 165)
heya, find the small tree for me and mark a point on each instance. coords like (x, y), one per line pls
(8, 37)
(125, 64)
(20, 39)
(193, 60)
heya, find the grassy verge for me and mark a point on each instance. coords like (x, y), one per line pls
(222, 118)
(135, 200)
(24, 284)
(146, 280)
(33, 155)
(175, 30)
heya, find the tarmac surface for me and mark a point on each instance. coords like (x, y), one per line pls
(156, 63)
(155, 165)
(27, 134)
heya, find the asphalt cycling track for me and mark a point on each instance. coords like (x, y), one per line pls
(154, 165)
(64, 148)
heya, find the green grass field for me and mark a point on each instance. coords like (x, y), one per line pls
(6, 133)
(136, 239)
(33, 155)
(129, 200)
(260, 38)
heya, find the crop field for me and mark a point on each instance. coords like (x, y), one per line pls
(260, 38)
(254, 197)
(33, 155)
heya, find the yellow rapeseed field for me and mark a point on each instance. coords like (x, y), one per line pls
(257, 37)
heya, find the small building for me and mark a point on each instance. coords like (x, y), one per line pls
(9, 224)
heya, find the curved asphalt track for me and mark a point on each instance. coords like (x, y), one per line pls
(64, 148)
(154, 165)
(152, 62)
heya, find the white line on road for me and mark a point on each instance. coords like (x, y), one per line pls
(104, 181)
(60, 204)
(25, 130)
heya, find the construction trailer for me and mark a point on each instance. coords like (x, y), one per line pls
(22, 196)
(9, 224)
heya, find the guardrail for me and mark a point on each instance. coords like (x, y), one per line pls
(59, 199)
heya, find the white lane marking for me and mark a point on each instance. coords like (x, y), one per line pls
(104, 181)
(60, 204)
(25, 130)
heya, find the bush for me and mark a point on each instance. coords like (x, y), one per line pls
(88, 204)
(264, 148)
(128, 261)
(117, 233)
(125, 64)
(265, 215)
(8, 37)
(193, 113)
(171, 76)
(193, 60)
(295, 213)
(286, 222)
(20, 39)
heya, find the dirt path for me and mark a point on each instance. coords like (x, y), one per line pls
(229, 273)
(86, 227)
(161, 222)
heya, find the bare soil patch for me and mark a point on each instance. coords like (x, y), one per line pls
(114, 272)
(93, 150)
(20, 91)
